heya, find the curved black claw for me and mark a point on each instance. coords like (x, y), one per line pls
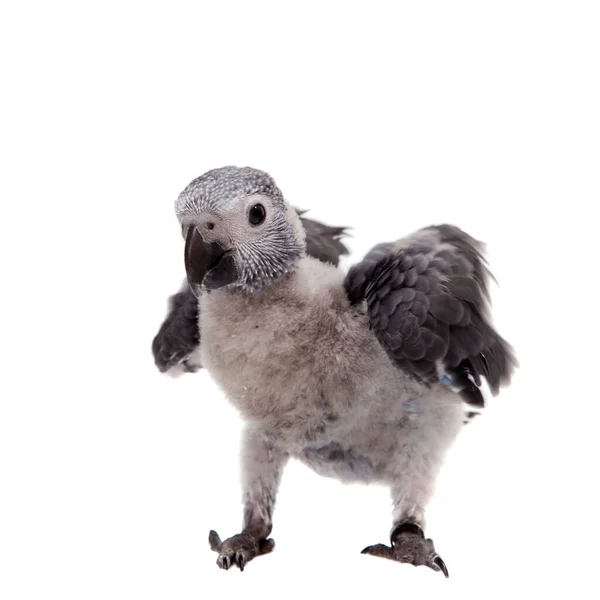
(441, 565)
(239, 560)
(223, 562)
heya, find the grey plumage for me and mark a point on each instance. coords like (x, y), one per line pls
(360, 376)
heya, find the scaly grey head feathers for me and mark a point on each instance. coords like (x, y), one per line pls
(242, 213)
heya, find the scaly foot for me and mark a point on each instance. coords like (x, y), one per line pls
(238, 550)
(409, 546)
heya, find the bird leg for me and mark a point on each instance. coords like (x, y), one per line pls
(409, 545)
(262, 466)
(410, 494)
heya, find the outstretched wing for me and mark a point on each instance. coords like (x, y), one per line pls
(179, 337)
(428, 304)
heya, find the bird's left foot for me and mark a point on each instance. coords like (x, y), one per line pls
(409, 546)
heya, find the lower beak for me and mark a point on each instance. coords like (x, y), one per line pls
(207, 263)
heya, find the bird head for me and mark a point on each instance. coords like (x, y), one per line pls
(238, 229)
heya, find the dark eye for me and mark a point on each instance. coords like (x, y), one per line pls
(257, 214)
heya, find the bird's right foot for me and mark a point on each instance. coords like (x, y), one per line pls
(238, 550)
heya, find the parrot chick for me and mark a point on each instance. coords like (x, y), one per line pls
(362, 376)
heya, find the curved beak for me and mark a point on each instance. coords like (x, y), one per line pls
(208, 264)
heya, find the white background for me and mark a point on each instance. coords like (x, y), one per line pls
(385, 116)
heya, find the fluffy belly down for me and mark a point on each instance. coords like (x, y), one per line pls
(335, 460)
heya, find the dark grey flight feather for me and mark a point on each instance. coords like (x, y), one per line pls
(427, 299)
(178, 337)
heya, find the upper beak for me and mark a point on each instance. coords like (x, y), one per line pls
(208, 263)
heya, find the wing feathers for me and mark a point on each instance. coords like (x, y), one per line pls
(323, 241)
(427, 303)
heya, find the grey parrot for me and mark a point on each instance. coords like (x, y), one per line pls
(365, 376)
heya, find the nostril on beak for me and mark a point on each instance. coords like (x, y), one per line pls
(210, 226)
